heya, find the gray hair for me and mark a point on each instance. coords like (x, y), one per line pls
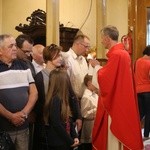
(3, 37)
(111, 31)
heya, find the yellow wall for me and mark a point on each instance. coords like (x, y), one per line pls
(117, 14)
(73, 13)
(16, 12)
(0, 16)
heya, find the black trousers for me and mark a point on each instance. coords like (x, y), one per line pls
(144, 109)
(40, 141)
(85, 146)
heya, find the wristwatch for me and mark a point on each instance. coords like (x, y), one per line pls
(25, 115)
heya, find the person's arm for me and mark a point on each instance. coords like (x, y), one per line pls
(5, 113)
(38, 108)
(74, 105)
(75, 108)
(96, 66)
(32, 99)
(17, 118)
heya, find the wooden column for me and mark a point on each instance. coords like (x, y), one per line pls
(52, 22)
(100, 23)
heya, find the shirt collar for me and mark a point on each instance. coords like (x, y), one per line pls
(36, 64)
(9, 66)
(75, 56)
(118, 46)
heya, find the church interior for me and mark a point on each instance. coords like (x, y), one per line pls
(58, 21)
(131, 17)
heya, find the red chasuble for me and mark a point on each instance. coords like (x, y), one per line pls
(118, 100)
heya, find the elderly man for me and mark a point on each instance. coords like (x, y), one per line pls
(18, 93)
(37, 55)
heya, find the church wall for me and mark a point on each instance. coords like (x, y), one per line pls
(117, 14)
(16, 12)
(72, 14)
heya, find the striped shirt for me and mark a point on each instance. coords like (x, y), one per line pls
(14, 86)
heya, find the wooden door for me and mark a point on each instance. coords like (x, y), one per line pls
(137, 15)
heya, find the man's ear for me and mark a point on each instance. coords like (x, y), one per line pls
(108, 39)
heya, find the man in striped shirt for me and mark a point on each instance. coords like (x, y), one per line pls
(18, 93)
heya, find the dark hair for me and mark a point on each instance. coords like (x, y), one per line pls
(23, 37)
(87, 78)
(111, 31)
(51, 52)
(147, 50)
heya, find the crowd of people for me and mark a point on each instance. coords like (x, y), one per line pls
(50, 100)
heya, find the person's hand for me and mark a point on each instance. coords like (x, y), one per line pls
(76, 142)
(17, 118)
(79, 124)
(94, 62)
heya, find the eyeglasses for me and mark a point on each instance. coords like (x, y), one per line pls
(27, 52)
(85, 46)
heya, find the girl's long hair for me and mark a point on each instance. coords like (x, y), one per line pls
(59, 84)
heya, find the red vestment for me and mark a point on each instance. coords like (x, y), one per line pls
(118, 100)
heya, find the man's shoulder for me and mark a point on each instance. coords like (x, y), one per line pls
(17, 64)
(120, 53)
(66, 54)
(21, 63)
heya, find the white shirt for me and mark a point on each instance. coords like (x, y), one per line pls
(77, 69)
(37, 67)
(89, 104)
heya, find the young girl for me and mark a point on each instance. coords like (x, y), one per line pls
(59, 128)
